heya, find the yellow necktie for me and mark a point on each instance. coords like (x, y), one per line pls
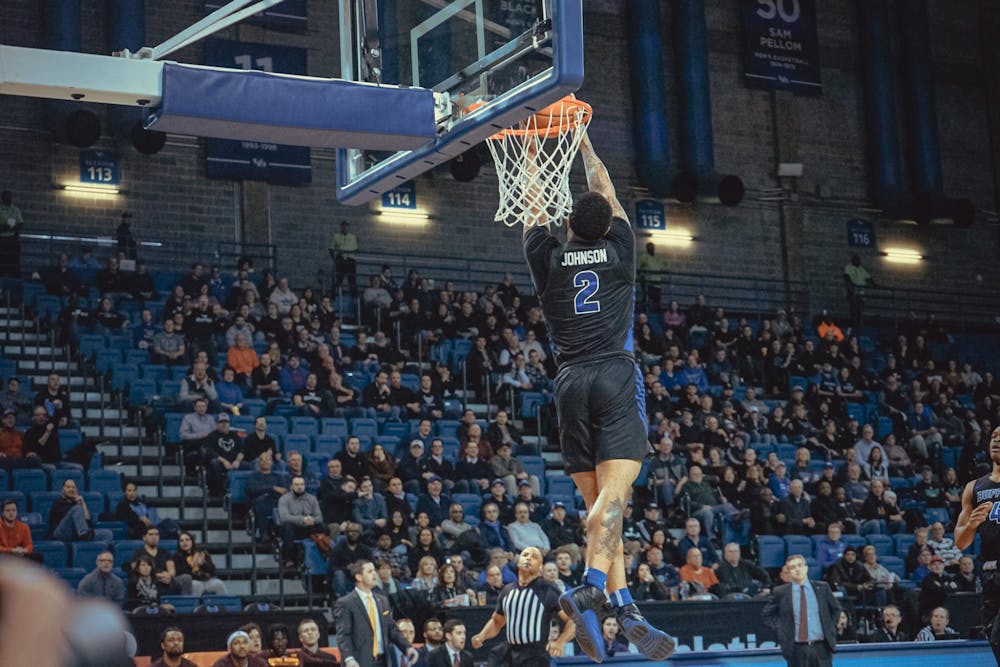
(373, 619)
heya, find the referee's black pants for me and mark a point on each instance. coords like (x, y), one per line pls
(528, 655)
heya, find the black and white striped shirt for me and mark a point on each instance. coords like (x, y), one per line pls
(529, 611)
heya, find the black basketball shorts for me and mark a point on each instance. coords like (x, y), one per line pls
(601, 404)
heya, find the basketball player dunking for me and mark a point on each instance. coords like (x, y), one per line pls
(587, 291)
(981, 512)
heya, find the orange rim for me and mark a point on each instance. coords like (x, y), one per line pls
(548, 123)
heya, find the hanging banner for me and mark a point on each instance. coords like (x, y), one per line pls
(780, 45)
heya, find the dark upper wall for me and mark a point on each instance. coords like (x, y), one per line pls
(174, 203)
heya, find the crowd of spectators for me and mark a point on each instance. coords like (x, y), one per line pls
(756, 427)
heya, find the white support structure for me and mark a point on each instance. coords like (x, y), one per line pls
(63, 75)
(223, 17)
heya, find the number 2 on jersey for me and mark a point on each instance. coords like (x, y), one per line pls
(584, 301)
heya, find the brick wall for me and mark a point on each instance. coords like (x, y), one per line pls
(174, 203)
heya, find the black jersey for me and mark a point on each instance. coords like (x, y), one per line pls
(986, 490)
(587, 290)
(529, 611)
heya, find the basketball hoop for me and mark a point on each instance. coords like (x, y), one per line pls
(533, 161)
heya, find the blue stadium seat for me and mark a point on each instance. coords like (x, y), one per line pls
(89, 345)
(276, 426)
(362, 426)
(105, 359)
(934, 514)
(894, 564)
(95, 503)
(357, 380)
(535, 465)
(561, 485)
(447, 428)
(242, 422)
(122, 342)
(170, 388)
(155, 372)
(122, 375)
(315, 562)
(238, 486)
(772, 551)
(141, 392)
(883, 545)
(254, 407)
(29, 480)
(69, 438)
(285, 410)
(60, 475)
(53, 553)
(137, 357)
(884, 427)
(328, 444)
(84, 554)
(71, 576)
(119, 529)
(315, 463)
(300, 443)
(798, 544)
(390, 443)
(182, 604)
(123, 550)
(400, 430)
(334, 426)
(902, 542)
(173, 426)
(232, 603)
(4, 482)
(856, 541)
(304, 426)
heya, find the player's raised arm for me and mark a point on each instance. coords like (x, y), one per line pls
(970, 518)
(598, 178)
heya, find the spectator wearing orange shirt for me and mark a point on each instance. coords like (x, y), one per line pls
(692, 571)
(15, 536)
(242, 358)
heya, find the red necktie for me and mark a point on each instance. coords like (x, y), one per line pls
(454, 662)
(803, 616)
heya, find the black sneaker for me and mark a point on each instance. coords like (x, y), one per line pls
(652, 643)
(582, 604)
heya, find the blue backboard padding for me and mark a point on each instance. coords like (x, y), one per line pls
(260, 106)
(510, 108)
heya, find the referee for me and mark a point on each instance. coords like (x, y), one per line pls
(527, 608)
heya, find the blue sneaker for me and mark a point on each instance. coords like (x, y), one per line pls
(582, 604)
(652, 643)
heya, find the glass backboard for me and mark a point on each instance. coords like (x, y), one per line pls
(512, 56)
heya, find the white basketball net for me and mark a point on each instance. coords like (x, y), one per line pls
(533, 166)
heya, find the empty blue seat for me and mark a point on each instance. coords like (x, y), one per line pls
(124, 549)
(299, 443)
(231, 603)
(798, 544)
(883, 545)
(95, 503)
(364, 426)
(398, 429)
(328, 444)
(60, 475)
(534, 465)
(155, 372)
(141, 392)
(935, 514)
(276, 426)
(182, 604)
(69, 438)
(238, 486)
(172, 431)
(902, 542)
(71, 576)
(84, 554)
(561, 485)
(254, 407)
(894, 564)
(121, 342)
(89, 345)
(29, 480)
(772, 551)
(304, 426)
(334, 426)
(4, 482)
(856, 541)
(122, 375)
(447, 428)
(105, 359)
(137, 357)
(54, 554)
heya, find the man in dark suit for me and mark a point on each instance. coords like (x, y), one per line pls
(356, 617)
(451, 653)
(804, 615)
